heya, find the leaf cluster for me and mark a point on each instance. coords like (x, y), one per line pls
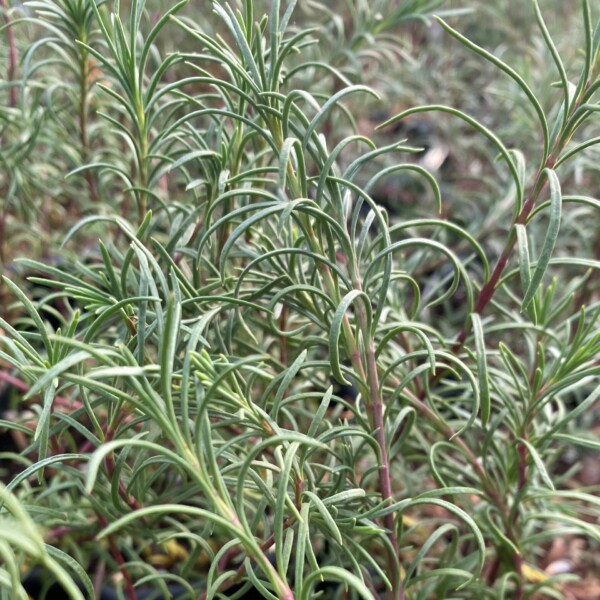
(255, 377)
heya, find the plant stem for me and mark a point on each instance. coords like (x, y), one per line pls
(84, 84)
(224, 508)
(374, 401)
(375, 410)
(540, 182)
(242, 568)
(116, 553)
(142, 133)
(24, 387)
(385, 485)
(489, 289)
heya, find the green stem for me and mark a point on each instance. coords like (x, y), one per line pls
(84, 86)
(373, 398)
(224, 509)
(142, 133)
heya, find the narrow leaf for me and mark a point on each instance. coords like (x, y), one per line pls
(550, 239)
(482, 372)
(538, 462)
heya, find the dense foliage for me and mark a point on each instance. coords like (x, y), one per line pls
(300, 299)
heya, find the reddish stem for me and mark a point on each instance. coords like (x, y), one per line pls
(24, 387)
(518, 563)
(116, 554)
(109, 461)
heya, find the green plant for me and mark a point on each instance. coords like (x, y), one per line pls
(264, 381)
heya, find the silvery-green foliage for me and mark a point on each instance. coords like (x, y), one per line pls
(262, 379)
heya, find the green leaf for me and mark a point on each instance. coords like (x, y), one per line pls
(511, 73)
(56, 370)
(284, 482)
(162, 21)
(336, 574)
(195, 155)
(332, 101)
(583, 407)
(329, 521)
(504, 152)
(100, 454)
(42, 430)
(345, 496)
(232, 24)
(538, 462)
(74, 566)
(482, 371)
(400, 507)
(39, 465)
(303, 539)
(170, 509)
(286, 164)
(556, 58)
(290, 373)
(336, 329)
(320, 414)
(33, 313)
(168, 349)
(549, 240)
(435, 537)
(523, 249)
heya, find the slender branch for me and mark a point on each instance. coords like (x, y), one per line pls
(242, 568)
(540, 182)
(109, 461)
(85, 74)
(385, 484)
(24, 387)
(375, 410)
(118, 557)
(374, 401)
